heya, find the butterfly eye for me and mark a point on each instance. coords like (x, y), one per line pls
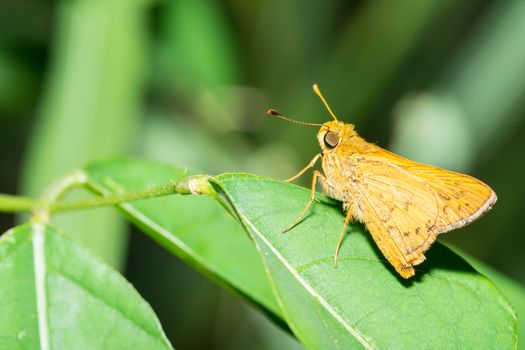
(331, 139)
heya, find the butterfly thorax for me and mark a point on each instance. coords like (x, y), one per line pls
(339, 162)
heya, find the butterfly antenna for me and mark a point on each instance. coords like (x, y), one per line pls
(318, 93)
(274, 113)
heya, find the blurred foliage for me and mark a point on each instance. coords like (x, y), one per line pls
(188, 82)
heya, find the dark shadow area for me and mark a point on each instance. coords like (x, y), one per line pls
(438, 257)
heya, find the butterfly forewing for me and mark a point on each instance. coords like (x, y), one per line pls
(405, 204)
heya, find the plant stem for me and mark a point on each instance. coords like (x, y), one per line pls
(197, 184)
(12, 204)
(154, 192)
(41, 212)
(49, 201)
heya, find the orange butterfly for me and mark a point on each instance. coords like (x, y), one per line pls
(404, 204)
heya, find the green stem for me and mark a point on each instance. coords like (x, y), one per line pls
(197, 184)
(49, 201)
(57, 189)
(13, 204)
(154, 192)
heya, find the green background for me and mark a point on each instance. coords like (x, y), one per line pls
(188, 82)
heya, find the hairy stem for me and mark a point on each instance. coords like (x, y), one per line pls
(57, 189)
(197, 184)
(49, 202)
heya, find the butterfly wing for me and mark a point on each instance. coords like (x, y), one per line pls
(405, 204)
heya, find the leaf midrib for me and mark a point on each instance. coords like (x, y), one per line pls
(357, 335)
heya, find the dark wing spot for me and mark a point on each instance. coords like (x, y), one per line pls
(443, 196)
(430, 227)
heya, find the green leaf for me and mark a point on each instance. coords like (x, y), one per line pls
(56, 295)
(363, 303)
(513, 290)
(196, 229)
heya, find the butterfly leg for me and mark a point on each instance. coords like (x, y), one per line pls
(341, 236)
(317, 175)
(311, 164)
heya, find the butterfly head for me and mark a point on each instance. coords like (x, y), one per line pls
(332, 133)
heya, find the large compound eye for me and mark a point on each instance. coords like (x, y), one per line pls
(331, 139)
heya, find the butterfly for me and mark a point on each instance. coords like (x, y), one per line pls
(403, 204)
